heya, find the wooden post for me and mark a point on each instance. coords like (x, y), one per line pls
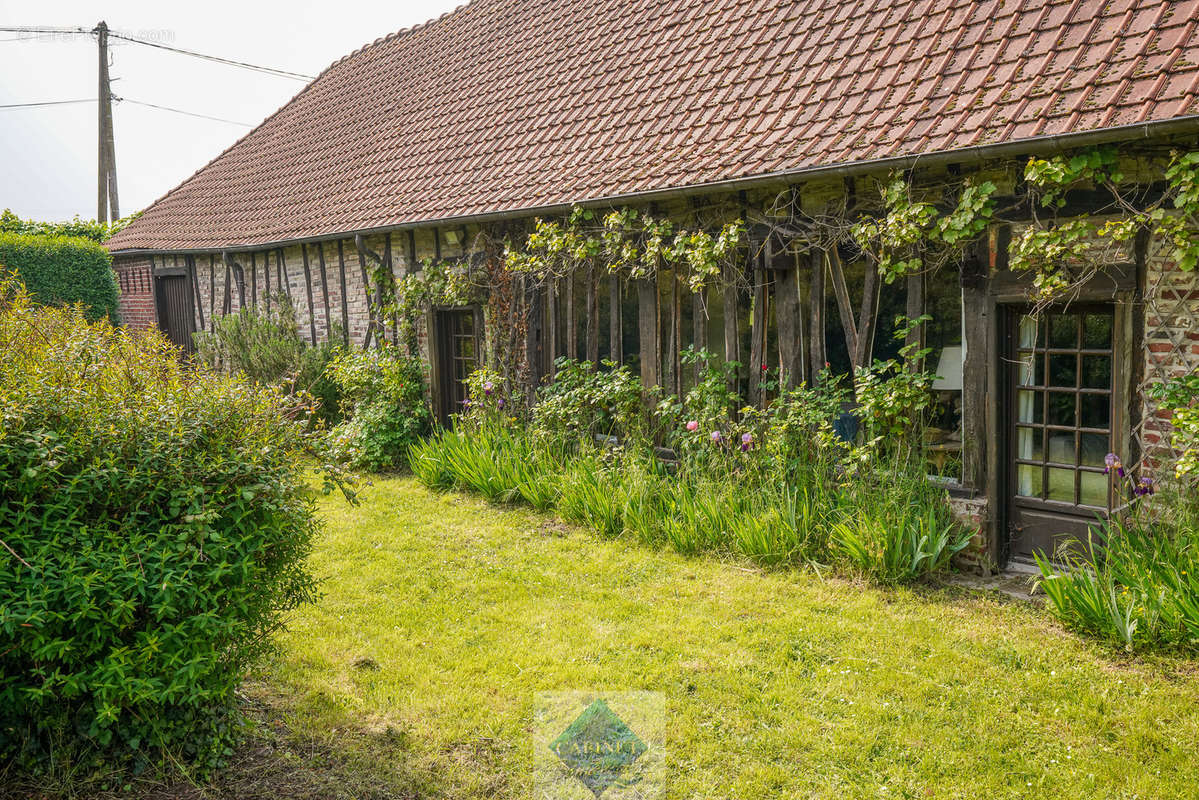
(788, 316)
(615, 345)
(194, 279)
(227, 301)
(308, 293)
(320, 253)
(284, 278)
(212, 291)
(572, 331)
(699, 326)
(391, 276)
(266, 276)
(868, 318)
(731, 344)
(676, 333)
(551, 305)
(593, 321)
(345, 308)
(757, 341)
(914, 308)
(647, 329)
(253, 281)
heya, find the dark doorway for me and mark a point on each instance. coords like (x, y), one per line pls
(457, 356)
(1061, 370)
(173, 299)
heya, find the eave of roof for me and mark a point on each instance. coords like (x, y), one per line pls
(1037, 145)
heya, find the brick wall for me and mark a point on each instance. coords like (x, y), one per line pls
(136, 283)
(1171, 312)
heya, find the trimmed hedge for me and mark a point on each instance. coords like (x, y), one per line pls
(155, 520)
(60, 270)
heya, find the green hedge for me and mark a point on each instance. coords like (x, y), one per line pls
(155, 522)
(63, 270)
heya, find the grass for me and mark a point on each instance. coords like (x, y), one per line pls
(443, 616)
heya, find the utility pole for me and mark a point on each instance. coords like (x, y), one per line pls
(107, 208)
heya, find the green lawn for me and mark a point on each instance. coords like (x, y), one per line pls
(443, 617)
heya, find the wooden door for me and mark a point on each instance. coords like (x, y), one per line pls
(173, 299)
(1062, 398)
(457, 356)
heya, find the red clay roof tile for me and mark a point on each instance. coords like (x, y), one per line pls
(507, 105)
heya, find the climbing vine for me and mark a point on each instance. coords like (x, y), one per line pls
(1063, 254)
(625, 241)
(910, 237)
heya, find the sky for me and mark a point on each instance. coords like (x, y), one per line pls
(48, 161)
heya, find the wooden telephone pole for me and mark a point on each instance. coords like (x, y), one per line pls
(107, 208)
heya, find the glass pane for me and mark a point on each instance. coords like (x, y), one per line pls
(1096, 410)
(1029, 443)
(466, 323)
(1063, 369)
(1093, 490)
(1095, 447)
(1061, 408)
(466, 347)
(1028, 331)
(1061, 485)
(1028, 371)
(1061, 447)
(1063, 330)
(1097, 331)
(1028, 480)
(1028, 406)
(1097, 372)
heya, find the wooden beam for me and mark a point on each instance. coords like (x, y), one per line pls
(816, 300)
(345, 306)
(914, 308)
(308, 293)
(593, 321)
(196, 301)
(320, 253)
(848, 324)
(253, 281)
(699, 326)
(787, 315)
(227, 301)
(266, 277)
(868, 317)
(551, 310)
(284, 278)
(615, 330)
(757, 323)
(647, 328)
(676, 333)
(732, 345)
(391, 284)
(572, 331)
(212, 291)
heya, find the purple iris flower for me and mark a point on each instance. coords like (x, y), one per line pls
(499, 403)
(1112, 461)
(717, 437)
(747, 439)
(487, 387)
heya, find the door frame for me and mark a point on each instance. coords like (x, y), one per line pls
(438, 346)
(1003, 425)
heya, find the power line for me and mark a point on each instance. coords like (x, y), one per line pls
(48, 103)
(180, 111)
(128, 100)
(282, 73)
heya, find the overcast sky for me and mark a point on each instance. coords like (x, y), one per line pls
(48, 155)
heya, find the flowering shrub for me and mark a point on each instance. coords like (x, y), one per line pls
(388, 407)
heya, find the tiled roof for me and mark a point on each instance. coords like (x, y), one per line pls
(504, 105)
